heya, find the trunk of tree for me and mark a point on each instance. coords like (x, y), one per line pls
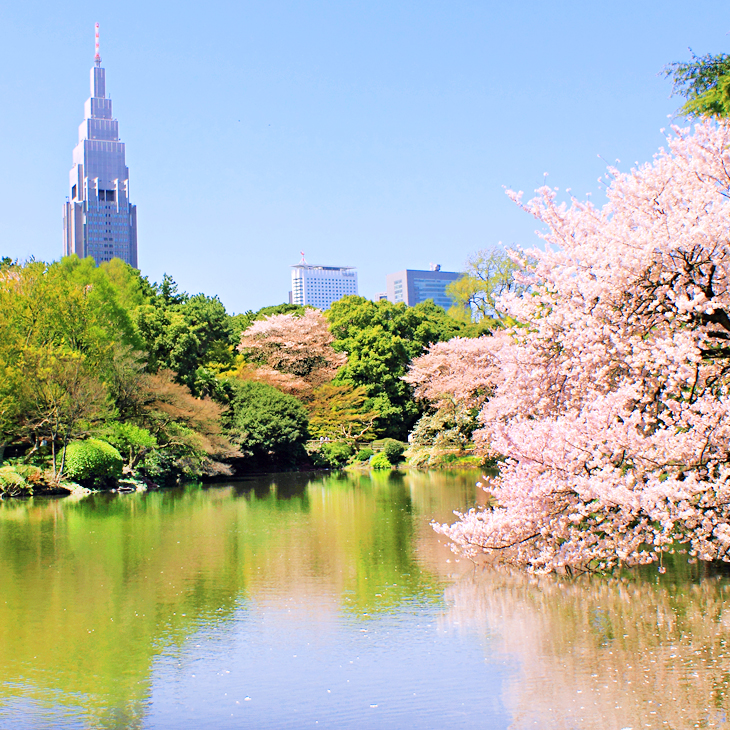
(63, 455)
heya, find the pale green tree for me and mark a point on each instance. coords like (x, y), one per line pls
(488, 273)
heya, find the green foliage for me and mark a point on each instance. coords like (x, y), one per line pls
(182, 333)
(93, 462)
(338, 412)
(488, 274)
(380, 339)
(160, 467)
(279, 309)
(393, 450)
(332, 455)
(705, 83)
(267, 423)
(363, 455)
(380, 461)
(12, 482)
(131, 440)
(446, 428)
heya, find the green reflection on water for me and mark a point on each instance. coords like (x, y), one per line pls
(94, 589)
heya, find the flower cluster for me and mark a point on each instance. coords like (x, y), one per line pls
(609, 402)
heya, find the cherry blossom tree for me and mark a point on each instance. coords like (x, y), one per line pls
(292, 352)
(609, 401)
(460, 371)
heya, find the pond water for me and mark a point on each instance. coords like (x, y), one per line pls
(327, 601)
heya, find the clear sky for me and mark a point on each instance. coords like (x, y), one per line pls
(373, 134)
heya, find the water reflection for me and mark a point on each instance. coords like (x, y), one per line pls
(294, 600)
(634, 652)
(94, 590)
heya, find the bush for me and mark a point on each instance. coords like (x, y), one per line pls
(159, 467)
(93, 463)
(380, 461)
(130, 440)
(363, 455)
(330, 455)
(337, 453)
(393, 450)
(12, 482)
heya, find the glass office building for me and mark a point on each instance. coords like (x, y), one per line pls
(412, 286)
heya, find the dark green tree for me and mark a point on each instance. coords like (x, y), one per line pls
(380, 339)
(266, 423)
(184, 333)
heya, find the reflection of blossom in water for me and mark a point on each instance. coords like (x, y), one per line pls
(600, 653)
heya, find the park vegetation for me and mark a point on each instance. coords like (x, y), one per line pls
(592, 371)
(108, 380)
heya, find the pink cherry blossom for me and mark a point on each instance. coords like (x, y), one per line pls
(609, 402)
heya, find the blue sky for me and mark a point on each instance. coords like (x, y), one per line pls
(371, 134)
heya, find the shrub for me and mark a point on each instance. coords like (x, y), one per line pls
(393, 450)
(93, 463)
(159, 467)
(331, 455)
(380, 461)
(130, 440)
(267, 423)
(338, 453)
(363, 454)
(12, 482)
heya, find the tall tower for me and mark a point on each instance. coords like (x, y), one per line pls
(98, 220)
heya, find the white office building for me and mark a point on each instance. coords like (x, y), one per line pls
(319, 286)
(98, 220)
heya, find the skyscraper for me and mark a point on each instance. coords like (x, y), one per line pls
(98, 219)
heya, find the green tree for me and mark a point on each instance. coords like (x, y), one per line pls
(704, 82)
(337, 412)
(184, 333)
(380, 339)
(59, 399)
(266, 423)
(488, 274)
(59, 327)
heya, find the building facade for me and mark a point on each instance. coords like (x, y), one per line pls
(413, 287)
(319, 286)
(98, 219)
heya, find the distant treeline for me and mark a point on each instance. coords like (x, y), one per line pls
(106, 376)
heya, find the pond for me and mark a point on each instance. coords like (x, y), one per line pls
(327, 601)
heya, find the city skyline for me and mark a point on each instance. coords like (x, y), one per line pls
(382, 136)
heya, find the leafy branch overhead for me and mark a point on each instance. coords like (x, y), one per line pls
(704, 82)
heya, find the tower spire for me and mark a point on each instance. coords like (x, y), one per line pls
(97, 56)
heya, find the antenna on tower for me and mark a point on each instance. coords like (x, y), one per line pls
(303, 261)
(97, 56)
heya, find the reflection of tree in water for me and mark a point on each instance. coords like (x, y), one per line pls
(599, 653)
(93, 591)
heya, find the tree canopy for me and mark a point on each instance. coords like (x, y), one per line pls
(609, 402)
(476, 294)
(705, 83)
(380, 339)
(266, 423)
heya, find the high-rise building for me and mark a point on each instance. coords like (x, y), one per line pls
(98, 219)
(319, 286)
(412, 287)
